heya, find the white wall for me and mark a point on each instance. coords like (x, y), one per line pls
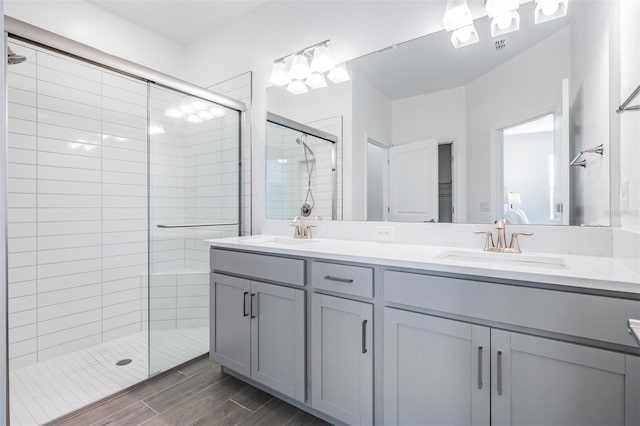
(497, 100)
(589, 112)
(371, 120)
(95, 27)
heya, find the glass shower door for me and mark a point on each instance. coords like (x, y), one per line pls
(194, 184)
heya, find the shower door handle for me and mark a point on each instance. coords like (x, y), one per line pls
(195, 225)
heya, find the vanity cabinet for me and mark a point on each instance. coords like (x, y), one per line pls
(258, 331)
(538, 381)
(436, 371)
(440, 371)
(342, 359)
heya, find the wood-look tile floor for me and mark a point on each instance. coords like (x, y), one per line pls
(195, 394)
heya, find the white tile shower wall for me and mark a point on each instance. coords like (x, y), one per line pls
(77, 185)
(288, 174)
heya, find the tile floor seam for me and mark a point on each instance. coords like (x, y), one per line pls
(240, 405)
(150, 408)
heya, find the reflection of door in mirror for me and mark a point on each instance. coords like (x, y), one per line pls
(413, 182)
(531, 162)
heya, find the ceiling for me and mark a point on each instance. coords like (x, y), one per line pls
(179, 20)
(431, 63)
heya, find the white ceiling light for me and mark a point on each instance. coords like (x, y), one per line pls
(217, 111)
(322, 61)
(464, 36)
(505, 23)
(500, 7)
(299, 67)
(174, 113)
(339, 74)
(297, 87)
(279, 74)
(192, 118)
(548, 10)
(457, 15)
(316, 81)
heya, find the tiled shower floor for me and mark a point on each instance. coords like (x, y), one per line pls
(44, 391)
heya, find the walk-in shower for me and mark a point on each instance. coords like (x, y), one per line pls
(302, 171)
(110, 196)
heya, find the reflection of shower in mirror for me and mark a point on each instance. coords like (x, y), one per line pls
(309, 162)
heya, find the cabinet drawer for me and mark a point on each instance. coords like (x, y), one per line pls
(262, 267)
(582, 315)
(354, 280)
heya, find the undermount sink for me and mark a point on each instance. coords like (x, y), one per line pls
(281, 241)
(514, 259)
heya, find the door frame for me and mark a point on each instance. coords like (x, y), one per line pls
(385, 180)
(497, 156)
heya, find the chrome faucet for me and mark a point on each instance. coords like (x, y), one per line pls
(301, 230)
(501, 247)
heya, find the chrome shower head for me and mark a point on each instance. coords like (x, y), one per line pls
(14, 58)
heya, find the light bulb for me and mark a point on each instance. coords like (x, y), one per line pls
(464, 36)
(503, 21)
(299, 67)
(279, 74)
(339, 74)
(297, 87)
(316, 81)
(550, 7)
(205, 115)
(322, 61)
(457, 15)
(217, 111)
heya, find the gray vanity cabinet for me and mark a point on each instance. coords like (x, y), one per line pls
(538, 381)
(258, 331)
(436, 371)
(342, 359)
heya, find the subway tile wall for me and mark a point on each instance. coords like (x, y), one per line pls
(77, 205)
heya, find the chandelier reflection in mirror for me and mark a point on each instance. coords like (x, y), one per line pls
(299, 75)
(504, 15)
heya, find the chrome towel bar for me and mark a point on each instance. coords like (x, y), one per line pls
(197, 225)
(625, 105)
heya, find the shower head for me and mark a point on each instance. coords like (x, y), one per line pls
(13, 58)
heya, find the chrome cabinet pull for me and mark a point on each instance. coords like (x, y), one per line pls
(479, 367)
(244, 304)
(499, 372)
(364, 336)
(252, 315)
(338, 279)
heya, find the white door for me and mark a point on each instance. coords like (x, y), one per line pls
(230, 316)
(413, 187)
(562, 153)
(342, 359)
(436, 371)
(538, 381)
(277, 338)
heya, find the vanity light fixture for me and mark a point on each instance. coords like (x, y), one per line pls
(322, 61)
(279, 74)
(295, 72)
(464, 36)
(504, 16)
(339, 74)
(316, 81)
(548, 10)
(457, 15)
(299, 67)
(297, 87)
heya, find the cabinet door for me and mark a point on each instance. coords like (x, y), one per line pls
(231, 327)
(277, 338)
(436, 371)
(342, 359)
(539, 381)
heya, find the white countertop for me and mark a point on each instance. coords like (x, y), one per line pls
(591, 272)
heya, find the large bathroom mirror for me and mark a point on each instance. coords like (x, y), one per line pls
(514, 126)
